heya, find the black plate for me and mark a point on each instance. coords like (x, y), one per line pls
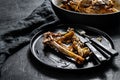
(53, 59)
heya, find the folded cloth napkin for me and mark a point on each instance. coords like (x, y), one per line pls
(20, 34)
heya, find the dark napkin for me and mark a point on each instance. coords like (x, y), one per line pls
(20, 34)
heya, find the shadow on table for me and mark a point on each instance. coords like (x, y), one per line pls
(112, 28)
(60, 74)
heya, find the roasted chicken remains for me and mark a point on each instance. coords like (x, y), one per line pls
(90, 6)
(68, 43)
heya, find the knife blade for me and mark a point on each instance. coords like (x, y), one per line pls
(110, 51)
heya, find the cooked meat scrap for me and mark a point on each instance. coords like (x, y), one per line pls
(68, 44)
(90, 6)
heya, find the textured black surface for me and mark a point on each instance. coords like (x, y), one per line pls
(22, 66)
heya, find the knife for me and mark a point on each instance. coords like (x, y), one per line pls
(95, 52)
(110, 51)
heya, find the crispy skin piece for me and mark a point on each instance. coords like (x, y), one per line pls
(80, 47)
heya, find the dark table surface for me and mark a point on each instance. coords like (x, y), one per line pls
(22, 66)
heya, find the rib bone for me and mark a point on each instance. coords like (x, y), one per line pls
(52, 42)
